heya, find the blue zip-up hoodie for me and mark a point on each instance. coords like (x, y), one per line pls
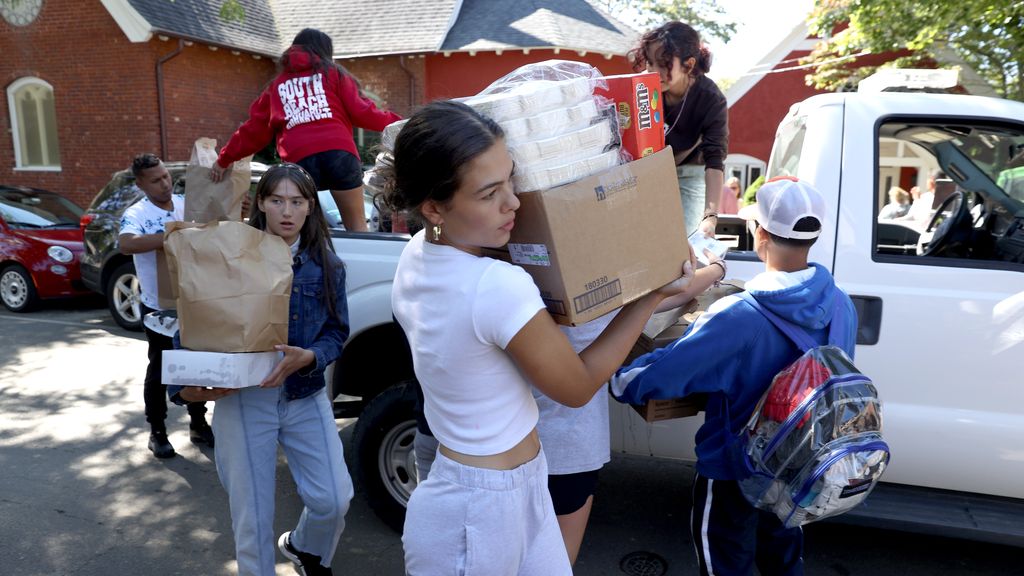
(732, 352)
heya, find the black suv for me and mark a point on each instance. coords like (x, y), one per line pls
(104, 268)
(107, 271)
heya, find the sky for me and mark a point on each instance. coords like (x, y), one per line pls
(761, 24)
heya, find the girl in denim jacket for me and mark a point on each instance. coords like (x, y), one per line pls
(290, 407)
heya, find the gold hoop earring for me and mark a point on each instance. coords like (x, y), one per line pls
(437, 232)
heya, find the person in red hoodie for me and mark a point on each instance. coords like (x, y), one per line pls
(310, 108)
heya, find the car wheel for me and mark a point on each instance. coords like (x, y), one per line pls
(123, 297)
(17, 290)
(385, 457)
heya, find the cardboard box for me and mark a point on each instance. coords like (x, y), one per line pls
(217, 369)
(656, 410)
(640, 109)
(603, 241)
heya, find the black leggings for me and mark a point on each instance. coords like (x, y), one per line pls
(154, 392)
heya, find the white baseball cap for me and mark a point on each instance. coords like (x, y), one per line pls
(784, 201)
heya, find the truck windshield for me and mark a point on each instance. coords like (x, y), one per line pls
(997, 151)
(1000, 154)
(789, 143)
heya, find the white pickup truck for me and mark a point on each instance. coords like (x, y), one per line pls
(940, 302)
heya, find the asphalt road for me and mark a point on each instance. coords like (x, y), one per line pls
(81, 495)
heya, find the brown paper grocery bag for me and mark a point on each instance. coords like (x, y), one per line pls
(206, 200)
(166, 280)
(233, 282)
(166, 291)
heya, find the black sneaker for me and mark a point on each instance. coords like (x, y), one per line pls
(159, 445)
(307, 564)
(201, 433)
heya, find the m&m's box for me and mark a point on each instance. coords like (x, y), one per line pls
(640, 109)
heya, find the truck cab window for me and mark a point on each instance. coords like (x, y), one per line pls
(966, 188)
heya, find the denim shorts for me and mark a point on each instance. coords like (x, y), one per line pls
(334, 170)
(691, 191)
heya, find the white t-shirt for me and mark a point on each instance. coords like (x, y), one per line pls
(459, 312)
(144, 217)
(920, 211)
(576, 439)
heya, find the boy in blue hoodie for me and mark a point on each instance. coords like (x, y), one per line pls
(731, 353)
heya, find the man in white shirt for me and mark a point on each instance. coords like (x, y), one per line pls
(141, 235)
(921, 210)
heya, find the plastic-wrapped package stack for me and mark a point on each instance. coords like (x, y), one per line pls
(556, 129)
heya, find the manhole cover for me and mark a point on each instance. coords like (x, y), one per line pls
(643, 564)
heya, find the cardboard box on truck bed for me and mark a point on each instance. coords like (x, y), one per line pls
(598, 243)
(657, 410)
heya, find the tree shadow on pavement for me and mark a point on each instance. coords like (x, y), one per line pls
(91, 499)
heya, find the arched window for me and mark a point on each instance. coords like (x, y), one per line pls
(33, 124)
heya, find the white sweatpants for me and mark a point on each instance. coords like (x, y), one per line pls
(466, 521)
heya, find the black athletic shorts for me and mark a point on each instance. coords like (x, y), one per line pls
(334, 170)
(569, 492)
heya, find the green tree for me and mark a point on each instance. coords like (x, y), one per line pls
(704, 15)
(750, 194)
(230, 10)
(987, 34)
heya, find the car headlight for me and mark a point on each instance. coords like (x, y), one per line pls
(60, 254)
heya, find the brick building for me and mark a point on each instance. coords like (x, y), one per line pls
(90, 84)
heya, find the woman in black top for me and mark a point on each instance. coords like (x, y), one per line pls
(696, 117)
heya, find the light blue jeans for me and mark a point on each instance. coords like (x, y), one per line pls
(249, 426)
(691, 192)
(467, 521)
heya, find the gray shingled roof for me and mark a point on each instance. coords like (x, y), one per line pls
(573, 24)
(372, 27)
(362, 27)
(200, 20)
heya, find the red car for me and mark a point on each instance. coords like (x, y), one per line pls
(40, 247)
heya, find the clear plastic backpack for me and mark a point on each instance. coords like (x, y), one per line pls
(813, 447)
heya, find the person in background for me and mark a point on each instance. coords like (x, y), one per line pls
(921, 209)
(141, 235)
(732, 353)
(696, 117)
(730, 200)
(899, 204)
(310, 109)
(289, 408)
(480, 336)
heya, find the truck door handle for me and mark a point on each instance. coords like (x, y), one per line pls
(869, 318)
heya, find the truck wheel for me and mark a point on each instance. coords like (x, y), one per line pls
(123, 297)
(385, 457)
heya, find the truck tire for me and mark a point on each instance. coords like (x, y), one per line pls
(385, 458)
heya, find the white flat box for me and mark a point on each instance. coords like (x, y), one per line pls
(217, 369)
